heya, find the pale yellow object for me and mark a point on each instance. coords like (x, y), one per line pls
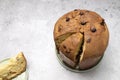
(15, 66)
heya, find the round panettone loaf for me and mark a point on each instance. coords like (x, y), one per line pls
(81, 37)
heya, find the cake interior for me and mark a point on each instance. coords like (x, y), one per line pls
(72, 47)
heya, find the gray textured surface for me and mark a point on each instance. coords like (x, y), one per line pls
(27, 25)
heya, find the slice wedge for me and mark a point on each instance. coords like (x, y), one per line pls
(15, 66)
(70, 49)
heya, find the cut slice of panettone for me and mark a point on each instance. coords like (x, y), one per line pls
(69, 49)
(15, 66)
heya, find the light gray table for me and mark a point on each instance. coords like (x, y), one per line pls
(27, 25)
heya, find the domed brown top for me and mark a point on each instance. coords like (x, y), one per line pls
(81, 35)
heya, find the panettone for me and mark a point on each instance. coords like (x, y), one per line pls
(81, 37)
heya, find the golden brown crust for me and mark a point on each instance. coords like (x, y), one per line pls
(97, 44)
(71, 22)
(91, 26)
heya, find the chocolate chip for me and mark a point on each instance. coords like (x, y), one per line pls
(64, 46)
(88, 40)
(67, 19)
(81, 13)
(93, 29)
(83, 23)
(103, 22)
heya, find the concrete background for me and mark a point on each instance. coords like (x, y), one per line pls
(27, 25)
